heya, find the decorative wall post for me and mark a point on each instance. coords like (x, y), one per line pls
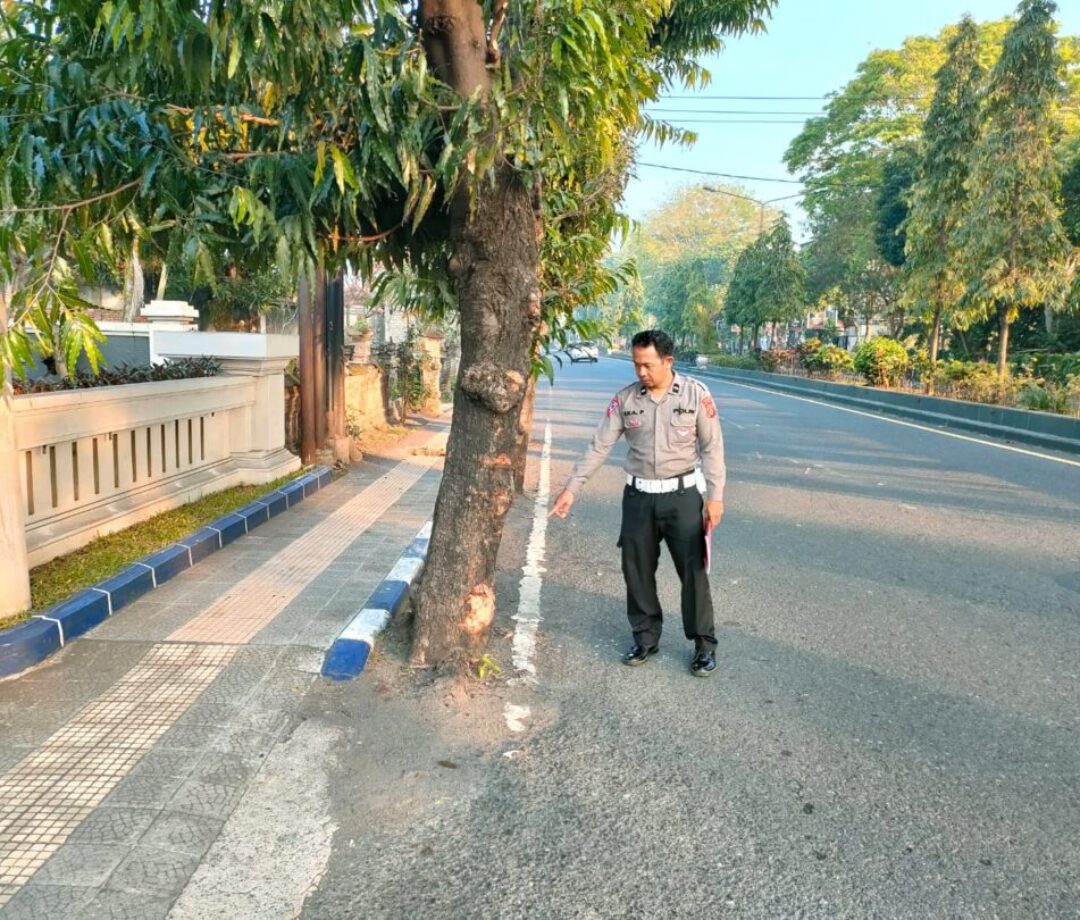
(14, 568)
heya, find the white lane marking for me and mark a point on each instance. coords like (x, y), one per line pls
(516, 716)
(896, 421)
(527, 618)
(276, 845)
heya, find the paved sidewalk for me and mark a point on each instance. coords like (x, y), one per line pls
(122, 757)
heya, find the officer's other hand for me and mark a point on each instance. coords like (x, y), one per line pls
(563, 503)
(715, 511)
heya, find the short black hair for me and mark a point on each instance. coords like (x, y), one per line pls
(659, 340)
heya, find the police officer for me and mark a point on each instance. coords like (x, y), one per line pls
(670, 422)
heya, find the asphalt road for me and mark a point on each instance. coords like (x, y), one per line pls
(892, 732)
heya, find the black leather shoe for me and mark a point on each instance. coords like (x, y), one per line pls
(639, 654)
(704, 664)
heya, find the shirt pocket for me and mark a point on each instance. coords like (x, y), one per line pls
(683, 429)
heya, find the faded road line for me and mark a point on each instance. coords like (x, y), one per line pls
(527, 619)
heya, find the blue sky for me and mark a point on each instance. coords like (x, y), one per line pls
(810, 49)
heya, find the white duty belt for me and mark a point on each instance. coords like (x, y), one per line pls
(659, 486)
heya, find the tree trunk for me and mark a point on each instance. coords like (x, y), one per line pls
(935, 343)
(1003, 347)
(524, 431)
(1048, 319)
(134, 286)
(495, 265)
(163, 281)
(495, 268)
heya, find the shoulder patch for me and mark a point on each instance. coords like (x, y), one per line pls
(709, 406)
(614, 405)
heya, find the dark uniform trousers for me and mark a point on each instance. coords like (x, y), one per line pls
(676, 518)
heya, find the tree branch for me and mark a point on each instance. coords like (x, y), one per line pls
(75, 205)
(498, 17)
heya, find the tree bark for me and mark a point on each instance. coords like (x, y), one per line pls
(134, 285)
(1003, 346)
(494, 265)
(935, 343)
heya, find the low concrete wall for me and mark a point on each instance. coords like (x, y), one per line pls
(84, 463)
(1060, 432)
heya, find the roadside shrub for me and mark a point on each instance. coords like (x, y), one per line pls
(1059, 368)
(882, 361)
(743, 362)
(830, 359)
(776, 359)
(1044, 396)
(975, 381)
(181, 369)
(807, 351)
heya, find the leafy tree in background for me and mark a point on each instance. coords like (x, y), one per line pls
(841, 156)
(439, 135)
(685, 252)
(743, 293)
(781, 294)
(939, 196)
(897, 178)
(1070, 197)
(768, 284)
(1011, 242)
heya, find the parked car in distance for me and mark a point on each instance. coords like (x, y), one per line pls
(583, 351)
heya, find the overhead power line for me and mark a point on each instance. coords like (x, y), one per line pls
(719, 175)
(730, 121)
(750, 98)
(728, 112)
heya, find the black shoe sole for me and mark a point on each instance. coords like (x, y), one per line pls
(638, 662)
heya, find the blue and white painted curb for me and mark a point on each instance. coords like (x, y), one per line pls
(350, 651)
(30, 643)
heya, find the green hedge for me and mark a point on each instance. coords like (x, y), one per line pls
(182, 369)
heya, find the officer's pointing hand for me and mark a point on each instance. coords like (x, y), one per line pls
(563, 503)
(715, 511)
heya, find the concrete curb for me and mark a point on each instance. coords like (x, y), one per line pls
(349, 654)
(30, 643)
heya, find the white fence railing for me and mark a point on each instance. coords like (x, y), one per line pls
(89, 462)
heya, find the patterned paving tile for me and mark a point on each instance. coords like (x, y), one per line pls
(208, 799)
(154, 871)
(46, 902)
(81, 864)
(54, 788)
(182, 832)
(114, 825)
(110, 904)
(252, 603)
